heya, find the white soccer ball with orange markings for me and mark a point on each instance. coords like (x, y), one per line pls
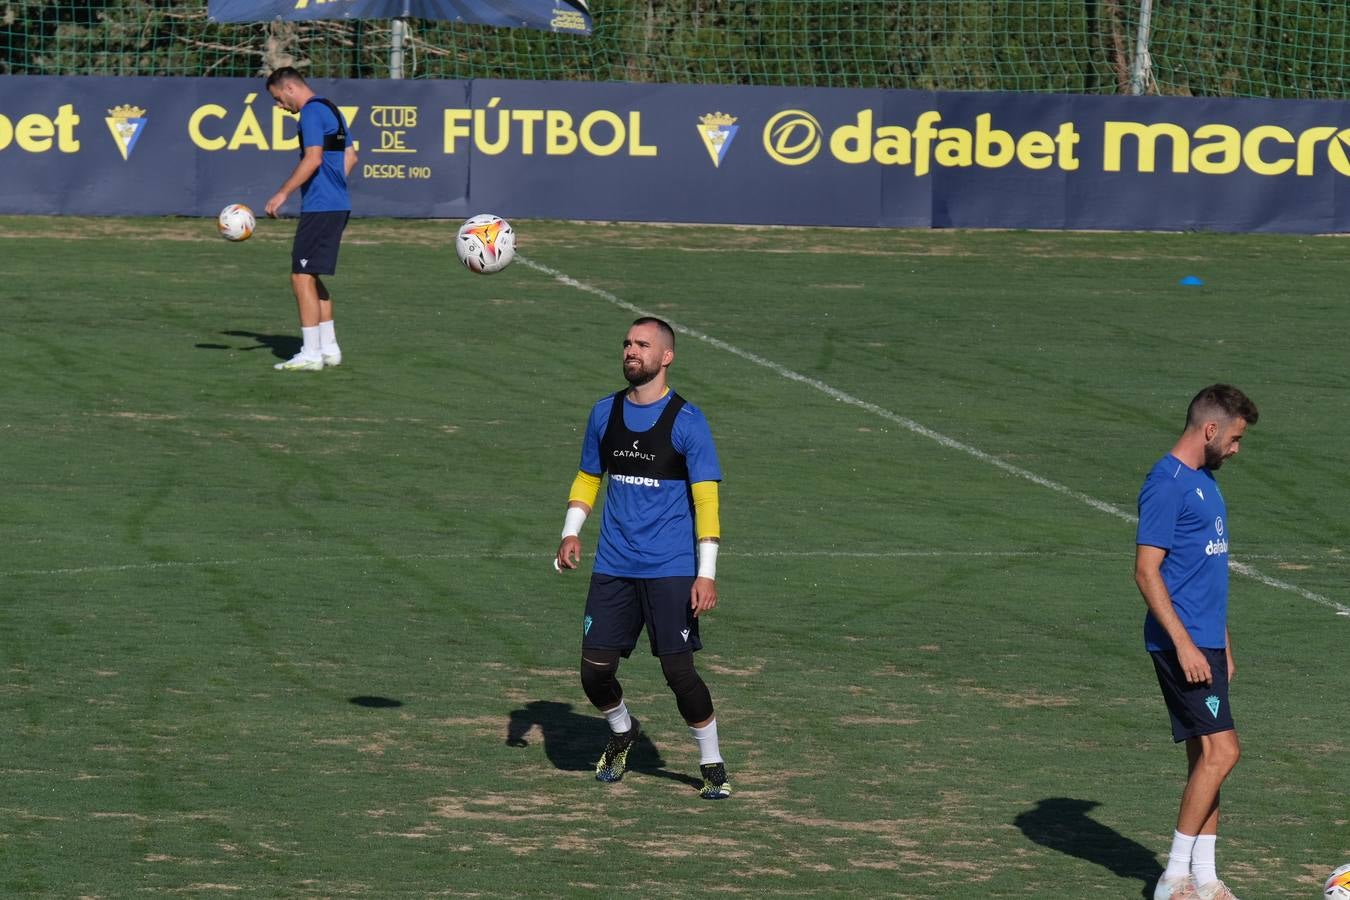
(236, 222)
(485, 244)
(1338, 885)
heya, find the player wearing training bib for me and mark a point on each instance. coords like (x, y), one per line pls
(655, 562)
(1181, 569)
(653, 453)
(326, 159)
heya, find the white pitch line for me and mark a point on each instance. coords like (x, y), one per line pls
(520, 554)
(743, 554)
(916, 427)
(1243, 569)
(262, 560)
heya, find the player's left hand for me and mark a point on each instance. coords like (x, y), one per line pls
(703, 595)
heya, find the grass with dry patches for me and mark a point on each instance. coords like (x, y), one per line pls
(298, 635)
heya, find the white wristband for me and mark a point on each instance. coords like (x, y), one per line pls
(573, 521)
(707, 559)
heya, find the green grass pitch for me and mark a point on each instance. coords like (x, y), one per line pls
(268, 634)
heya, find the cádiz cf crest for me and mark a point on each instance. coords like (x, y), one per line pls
(126, 122)
(717, 130)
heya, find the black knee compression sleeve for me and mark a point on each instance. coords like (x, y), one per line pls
(691, 694)
(599, 671)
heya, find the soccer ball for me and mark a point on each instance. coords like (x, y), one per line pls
(236, 222)
(485, 244)
(1338, 885)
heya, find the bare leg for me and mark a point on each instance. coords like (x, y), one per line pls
(1211, 757)
(306, 289)
(325, 300)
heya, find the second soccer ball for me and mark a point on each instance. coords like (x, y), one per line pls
(236, 222)
(485, 244)
(1338, 885)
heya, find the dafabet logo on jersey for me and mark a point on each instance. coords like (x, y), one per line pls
(717, 130)
(126, 122)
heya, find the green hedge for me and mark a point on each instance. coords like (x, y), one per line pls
(1275, 48)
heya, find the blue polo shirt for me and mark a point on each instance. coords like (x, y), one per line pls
(1181, 511)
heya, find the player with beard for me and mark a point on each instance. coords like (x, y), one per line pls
(1181, 568)
(656, 559)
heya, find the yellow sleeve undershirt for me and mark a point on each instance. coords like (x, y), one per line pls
(707, 522)
(707, 525)
(585, 488)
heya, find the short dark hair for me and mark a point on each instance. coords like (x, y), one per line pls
(1221, 401)
(661, 325)
(285, 73)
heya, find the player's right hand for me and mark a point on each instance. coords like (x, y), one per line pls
(1194, 665)
(569, 553)
(274, 204)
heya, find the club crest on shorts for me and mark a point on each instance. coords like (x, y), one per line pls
(1212, 702)
(586, 625)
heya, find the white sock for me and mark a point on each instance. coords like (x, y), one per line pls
(1202, 859)
(311, 336)
(707, 743)
(327, 337)
(1179, 857)
(619, 720)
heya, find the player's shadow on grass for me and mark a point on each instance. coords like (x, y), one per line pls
(375, 702)
(1063, 824)
(573, 742)
(283, 346)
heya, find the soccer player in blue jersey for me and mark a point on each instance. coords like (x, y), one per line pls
(326, 159)
(656, 560)
(1181, 568)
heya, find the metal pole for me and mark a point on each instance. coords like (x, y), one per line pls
(397, 31)
(1143, 64)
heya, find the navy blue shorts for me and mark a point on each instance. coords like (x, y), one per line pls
(317, 239)
(1196, 709)
(618, 608)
